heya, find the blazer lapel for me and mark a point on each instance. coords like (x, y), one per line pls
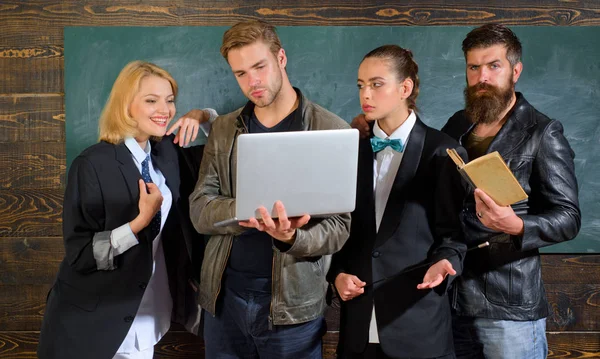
(365, 196)
(406, 172)
(129, 171)
(166, 167)
(131, 175)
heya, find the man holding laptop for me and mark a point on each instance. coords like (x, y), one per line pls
(263, 282)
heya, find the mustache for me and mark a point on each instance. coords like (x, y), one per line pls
(487, 106)
(482, 86)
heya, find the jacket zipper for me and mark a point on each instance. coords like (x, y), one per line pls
(270, 318)
(222, 271)
(230, 184)
(238, 129)
(272, 291)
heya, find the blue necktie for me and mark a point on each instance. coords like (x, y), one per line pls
(155, 223)
(379, 144)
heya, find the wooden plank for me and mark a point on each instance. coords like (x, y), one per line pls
(47, 18)
(184, 345)
(573, 345)
(18, 344)
(181, 345)
(570, 268)
(33, 165)
(332, 315)
(32, 117)
(34, 262)
(31, 74)
(32, 61)
(27, 261)
(572, 286)
(574, 307)
(330, 342)
(22, 306)
(31, 213)
(562, 345)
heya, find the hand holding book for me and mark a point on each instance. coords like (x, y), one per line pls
(492, 175)
(496, 189)
(495, 217)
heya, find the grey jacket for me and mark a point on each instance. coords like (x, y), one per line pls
(298, 283)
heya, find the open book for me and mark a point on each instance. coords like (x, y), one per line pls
(490, 174)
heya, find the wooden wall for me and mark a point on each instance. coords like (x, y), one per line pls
(32, 141)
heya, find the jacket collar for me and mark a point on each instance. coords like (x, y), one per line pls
(128, 169)
(514, 131)
(167, 166)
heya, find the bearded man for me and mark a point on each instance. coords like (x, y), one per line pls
(499, 303)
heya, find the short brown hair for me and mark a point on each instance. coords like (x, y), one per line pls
(494, 34)
(115, 121)
(248, 32)
(403, 65)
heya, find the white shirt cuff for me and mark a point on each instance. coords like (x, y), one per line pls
(122, 238)
(206, 126)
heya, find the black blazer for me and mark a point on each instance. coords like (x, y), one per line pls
(89, 311)
(420, 224)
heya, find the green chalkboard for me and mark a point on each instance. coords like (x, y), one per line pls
(561, 78)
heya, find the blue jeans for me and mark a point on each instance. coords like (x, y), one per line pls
(241, 330)
(476, 338)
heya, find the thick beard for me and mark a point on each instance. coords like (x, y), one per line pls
(486, 107)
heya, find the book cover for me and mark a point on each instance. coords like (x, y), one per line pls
(490, 174)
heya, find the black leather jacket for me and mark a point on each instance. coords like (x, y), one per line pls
(504, 280)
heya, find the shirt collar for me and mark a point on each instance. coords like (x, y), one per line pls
(138, 153)
(401, 132)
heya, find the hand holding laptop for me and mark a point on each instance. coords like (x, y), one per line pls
(282, 228)
(312, 172)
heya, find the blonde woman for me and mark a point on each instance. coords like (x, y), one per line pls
(126, 230)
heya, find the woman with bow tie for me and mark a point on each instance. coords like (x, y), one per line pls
(394, 303)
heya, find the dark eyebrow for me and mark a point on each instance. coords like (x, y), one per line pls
(373, 79)
(488, 63)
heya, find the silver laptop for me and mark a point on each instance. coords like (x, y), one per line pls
(311, 172)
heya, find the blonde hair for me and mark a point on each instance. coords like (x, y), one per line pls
(248, 32)
(115, 121)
